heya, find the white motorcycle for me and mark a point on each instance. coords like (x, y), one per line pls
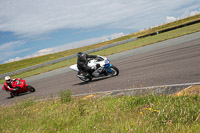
(101, 67)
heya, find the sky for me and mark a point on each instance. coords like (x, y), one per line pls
(30, 28)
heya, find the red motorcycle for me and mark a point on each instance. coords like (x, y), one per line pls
(19, 86)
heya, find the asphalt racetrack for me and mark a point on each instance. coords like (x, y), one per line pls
(175, 61)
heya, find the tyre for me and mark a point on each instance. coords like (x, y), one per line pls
(115, 70)
(12, 95)
(85, 79)
(31, 89)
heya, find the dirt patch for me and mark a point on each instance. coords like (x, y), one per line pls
(192, 90)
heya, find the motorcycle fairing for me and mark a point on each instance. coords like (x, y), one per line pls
(107, 66)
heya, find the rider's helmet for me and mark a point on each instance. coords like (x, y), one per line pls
(7, 79)
(81, 56)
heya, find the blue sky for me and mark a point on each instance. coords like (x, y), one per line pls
(30, 28)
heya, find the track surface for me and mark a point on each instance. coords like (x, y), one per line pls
(172, 64)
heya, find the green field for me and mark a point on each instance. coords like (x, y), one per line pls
(9, 67)
(150, 113)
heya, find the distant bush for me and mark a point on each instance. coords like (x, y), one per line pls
(66, 96)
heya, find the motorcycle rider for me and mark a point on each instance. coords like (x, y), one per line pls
(8, 84)
(82, 62)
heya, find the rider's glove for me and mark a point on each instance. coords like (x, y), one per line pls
(92, 67)
(15, 89)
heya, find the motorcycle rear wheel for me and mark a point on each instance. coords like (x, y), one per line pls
(12, 95)
(85, 79)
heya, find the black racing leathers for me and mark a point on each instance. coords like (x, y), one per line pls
(82, 64)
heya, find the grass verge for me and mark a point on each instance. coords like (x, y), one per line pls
(148, 113)
(131, 45)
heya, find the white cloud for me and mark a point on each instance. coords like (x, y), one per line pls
(13, 59)
(11, 48)
(67, 46)
(194, 13)
(45, 51)
(10, 45)
(170, 19)
(35, 17)
(78, 44)
(7, 54)
(186, 14)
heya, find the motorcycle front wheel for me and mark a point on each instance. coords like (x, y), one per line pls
(115, 70)
(31, 88)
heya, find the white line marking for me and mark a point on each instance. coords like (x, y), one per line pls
(151, 87)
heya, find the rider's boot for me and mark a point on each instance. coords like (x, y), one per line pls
(80, 75)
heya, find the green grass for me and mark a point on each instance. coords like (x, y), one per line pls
(9, 67)
(109, 114)
(131, 45)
